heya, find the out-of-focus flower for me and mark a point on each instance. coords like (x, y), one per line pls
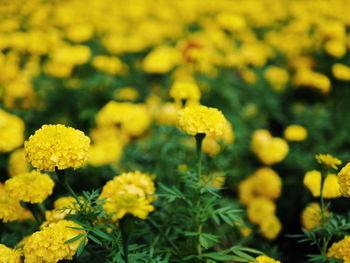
(341, 72)
(11, 131)
(185, 93)
(18, 163)
(311, 216)
(259, 209)
(32, 187)
(331, 188)
(270, 227)
(295, 133)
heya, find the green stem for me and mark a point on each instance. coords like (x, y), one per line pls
(324, 173)
(155, 226)
(39, 216)
(199, 247)
(199, 139)
(62, 177)
(126, 226)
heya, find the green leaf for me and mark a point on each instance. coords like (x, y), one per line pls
(101, 234)
(74, 238)
(81, 246)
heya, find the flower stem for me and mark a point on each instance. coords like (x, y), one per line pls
(126, 225)
(38, 214)
(324, 173)
(62, 177)
(199, 139)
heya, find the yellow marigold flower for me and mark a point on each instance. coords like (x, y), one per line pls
(341, 72)
(340, 249)
(308, 78)
(336, 48)
(130, 192)
(134, 119)
(210, 146)
(230, 21)
(269, 150)
(8, 255)
(328, 161)
(344, 180)
(10, 209)
(259, 209)
(277, 77)
(161, 60)
(311, 216)
(11, 131)
(110, 65)
(18, 163)
(108, 132)
(202, 119)
(270, 227)
(32, 187)
(331, 188)
(187, 92)
(228, 137)
(126, 93)
(48, 245)
(295, 133)
(57, 146)
(79, 32)
(105, 152)
(265, 259)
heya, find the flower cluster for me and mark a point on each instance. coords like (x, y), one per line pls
(57, 147)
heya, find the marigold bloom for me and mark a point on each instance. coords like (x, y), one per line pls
(57, 146)
(32, 187)
(266, 259)
(340, 249)
(344, 180)
(328, 160)
(341, 72)
(311, 216)
(130, 192)
(110, 65)
(18, 163)
(133, 119)
(10, 209)
(270, 227)
(202, 119)
(48, 245)
(269, 150)
(11, 131)
(8, 255)
(295, 133)
(265, 182)
(185, 91)
(105, 152)
(277, 77)
(259, 209)
(331, 188)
